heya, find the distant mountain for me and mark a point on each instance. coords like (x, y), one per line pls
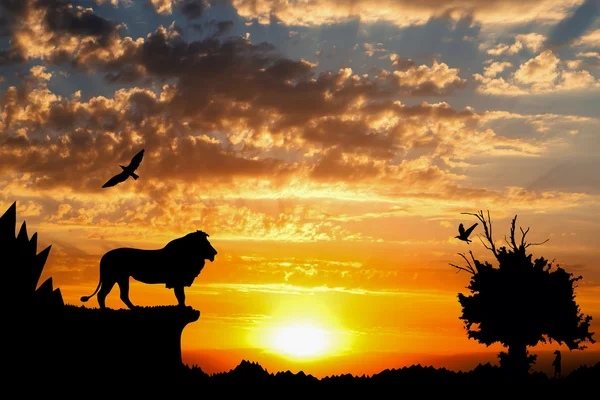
(371, 363)
(252, 373)
(248, 371)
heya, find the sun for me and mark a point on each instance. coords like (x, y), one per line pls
(301, 340)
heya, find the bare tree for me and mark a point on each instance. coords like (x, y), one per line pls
(522, 301)
(488, 240)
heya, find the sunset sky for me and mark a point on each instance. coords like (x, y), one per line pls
(328, 147)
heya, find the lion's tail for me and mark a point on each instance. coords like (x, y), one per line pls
(86, 298)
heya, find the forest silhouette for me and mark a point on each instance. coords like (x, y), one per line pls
(65, 347)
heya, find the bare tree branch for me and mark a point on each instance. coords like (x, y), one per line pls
(474, 261)
(483, 243)
(490, 223)
(461, 269)
(536, 244)
(487, 228)
(467, 261)
(524, 244)
(523, 233)
(512, 234)
(470, 268)
(489, 244)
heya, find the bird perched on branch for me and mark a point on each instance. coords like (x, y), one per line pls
(127, 171)
(464, 234)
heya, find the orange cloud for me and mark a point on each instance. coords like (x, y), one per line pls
(496, 68)
(192, 9)
(162, 6)
(538, 75)
(239, 121)
(403, 12)
(54, 31)
(539, 71)
(531, 41)
(501, 49)
(591, 39)
(358, 141)
(437, 78)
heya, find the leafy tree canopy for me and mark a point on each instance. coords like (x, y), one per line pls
(522, 301)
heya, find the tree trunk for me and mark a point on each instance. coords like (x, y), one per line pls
(516, 361)
(518, 353)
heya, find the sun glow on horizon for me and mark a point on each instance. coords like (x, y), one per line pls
(301, 340)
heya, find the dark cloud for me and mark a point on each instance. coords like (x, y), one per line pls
(10, 56)
(86, 132)
(573, 26)
(12, 6)
(225, 85)
(10, 12)
(192, 9)
(214, 27)
(94, 153)
(224, 27)
(222, 76)
(351, 136)
(195, 159)
(402, 64)
(332, 167)
(64, 17)
(11, 9)
(217, 79)
(73, 143)
(47, 26)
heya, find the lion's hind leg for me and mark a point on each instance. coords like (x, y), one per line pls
(104, 291)
(124, 288)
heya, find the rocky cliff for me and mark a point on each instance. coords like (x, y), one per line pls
(51, 345)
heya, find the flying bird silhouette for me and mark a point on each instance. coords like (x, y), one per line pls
(127, 171)
(464, 235)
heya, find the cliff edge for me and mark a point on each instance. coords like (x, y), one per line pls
(49, 345)
(115, 347)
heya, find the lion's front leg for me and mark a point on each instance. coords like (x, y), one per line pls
(180, 294)
(124, 287)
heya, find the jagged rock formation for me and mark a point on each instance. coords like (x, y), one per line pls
(26, 307)
(22, 268)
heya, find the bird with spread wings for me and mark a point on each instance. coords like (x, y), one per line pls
(464, 234)
(127, 171)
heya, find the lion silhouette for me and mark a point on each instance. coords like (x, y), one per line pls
(176, 265)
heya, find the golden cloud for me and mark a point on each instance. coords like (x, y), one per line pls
(192, 9)
(591, 39)
(539, 75)
(532, 41)
(54, 31)
(403, 12)
(496, 68)
(76, 143)
(162, 6)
